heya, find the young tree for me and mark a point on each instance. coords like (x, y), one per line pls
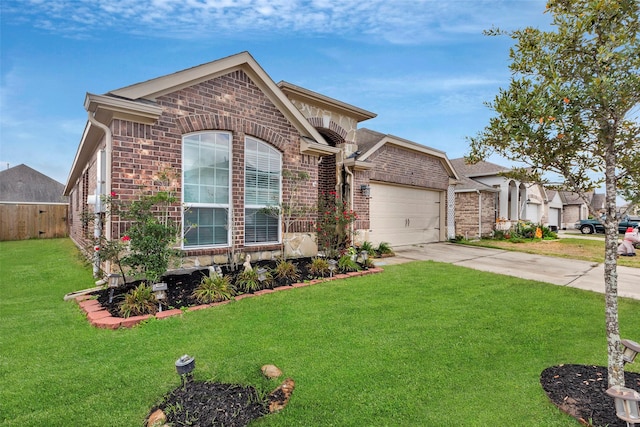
(569, 110)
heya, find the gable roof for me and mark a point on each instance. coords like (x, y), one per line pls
(23, 184)
(137, 103)
(309, 96)
(370, 141)
(477, 169)
(571, 198)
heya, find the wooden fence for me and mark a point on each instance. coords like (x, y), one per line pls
(20, 221)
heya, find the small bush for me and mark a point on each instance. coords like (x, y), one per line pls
(384, 248)
(346, 264)
(139, 301)
(319, 267)
(213, 289)
(247, 281)
(286, 270)
(368, 246)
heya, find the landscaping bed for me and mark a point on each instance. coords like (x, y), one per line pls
(579, 390)
(181, 284)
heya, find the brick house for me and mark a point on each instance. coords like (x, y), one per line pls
(485, 199)
(226, 131)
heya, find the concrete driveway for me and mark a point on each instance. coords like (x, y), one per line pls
(558, 271)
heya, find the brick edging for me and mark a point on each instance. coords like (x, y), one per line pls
(99, 317)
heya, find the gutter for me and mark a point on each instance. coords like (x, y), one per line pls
(97, 229)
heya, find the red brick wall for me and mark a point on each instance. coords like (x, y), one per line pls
(231, 103)
(467, 217)
(398, 165)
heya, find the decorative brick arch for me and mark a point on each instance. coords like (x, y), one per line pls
(335, 133)
(200, 122)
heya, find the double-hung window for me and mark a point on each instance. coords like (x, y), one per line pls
(263, 180)
(206, 178)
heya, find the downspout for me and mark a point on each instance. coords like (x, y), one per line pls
(351, 189)
(97, 229)
(479, 214)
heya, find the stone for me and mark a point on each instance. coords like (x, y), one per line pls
(279, 397)
(156, 419)
(271, 371)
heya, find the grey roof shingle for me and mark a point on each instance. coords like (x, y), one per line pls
(23, 184)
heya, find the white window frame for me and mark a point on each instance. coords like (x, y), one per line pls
(208, 205)
(277, 203)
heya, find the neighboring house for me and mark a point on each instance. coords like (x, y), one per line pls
(31, 204)
(554, 210)
(574, 208)
(486, 197)
(227, 131)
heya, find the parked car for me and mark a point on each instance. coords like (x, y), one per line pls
(589, 226)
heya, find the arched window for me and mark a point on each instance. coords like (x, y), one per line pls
(262, 184)
(206, 189)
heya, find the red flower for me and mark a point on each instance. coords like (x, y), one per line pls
(126, 238)
(113, 194)
(96, 248)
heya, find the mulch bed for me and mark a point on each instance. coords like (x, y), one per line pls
(213, 404)
(180, 286)
(579, 390)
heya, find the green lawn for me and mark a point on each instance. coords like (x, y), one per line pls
(421, 344)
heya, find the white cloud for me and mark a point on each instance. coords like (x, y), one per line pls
(397, 22)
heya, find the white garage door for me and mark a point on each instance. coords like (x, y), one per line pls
(403, 215)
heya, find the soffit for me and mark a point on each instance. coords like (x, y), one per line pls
(313, 98)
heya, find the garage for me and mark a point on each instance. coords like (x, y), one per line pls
(404, 215)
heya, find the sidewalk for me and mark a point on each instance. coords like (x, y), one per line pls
(558, 271)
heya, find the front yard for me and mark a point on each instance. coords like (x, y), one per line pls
(422, 343)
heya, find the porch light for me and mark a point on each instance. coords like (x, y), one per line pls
(159, 290)
(262, 274)
(333, 264)
(630, 350)
(365, 189)
(113, 280)
(627, 403)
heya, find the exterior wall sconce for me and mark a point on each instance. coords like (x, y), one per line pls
(365, 190)
(627, 403)
(159, 290)
(630, 350)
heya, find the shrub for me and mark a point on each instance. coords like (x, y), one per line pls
(286, 271)
(333, 225)
(213, 289)
(139, 301)
(346, 264)
(247, 281)
(368, 246)
(384, 248)
(319, 267)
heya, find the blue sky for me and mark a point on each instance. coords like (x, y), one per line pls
(423, 66)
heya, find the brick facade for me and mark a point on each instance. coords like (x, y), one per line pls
(231, 102)
(395, 164)
(475, 214)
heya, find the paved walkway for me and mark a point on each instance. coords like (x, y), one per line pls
(559, 271)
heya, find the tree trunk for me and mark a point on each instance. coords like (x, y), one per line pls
(614, 351)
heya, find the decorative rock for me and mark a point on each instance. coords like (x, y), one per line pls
(271, 371)
(157, 419)
(279, 397)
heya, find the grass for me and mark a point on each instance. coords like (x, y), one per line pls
(575, 248)
(423, 343)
